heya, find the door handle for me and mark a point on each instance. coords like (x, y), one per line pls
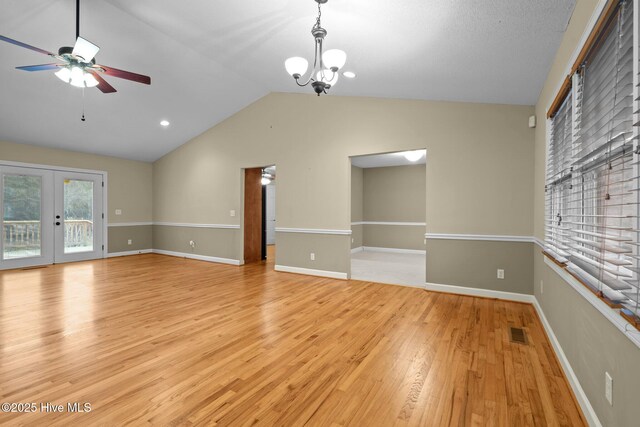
(57, 216)
(57, 222)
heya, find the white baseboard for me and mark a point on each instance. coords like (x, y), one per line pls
(583, 401)
(127, 253)
(198, 257)
(358, 249)
(394, 250)
(406, 285)
(311, 272)
(475, 292)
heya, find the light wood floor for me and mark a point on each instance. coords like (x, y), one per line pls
(156, 340)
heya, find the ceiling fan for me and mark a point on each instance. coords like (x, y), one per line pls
(78, 66)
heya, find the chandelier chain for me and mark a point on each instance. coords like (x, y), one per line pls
(319, 16)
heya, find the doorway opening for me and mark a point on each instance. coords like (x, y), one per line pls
(260, 214)
(388, 210)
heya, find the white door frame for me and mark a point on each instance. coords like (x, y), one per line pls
(271, 189)
(105, 206)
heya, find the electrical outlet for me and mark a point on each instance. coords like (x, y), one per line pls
(192, 243)
(541, 287)
(608, 388)
(500, 273)
(232, 213)
(353, 240)
(118, 211)
(129, 242)
(425, 240)
(312, 256)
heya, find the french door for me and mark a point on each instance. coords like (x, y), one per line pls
(49, 216)
(78, 216)
(27, 216)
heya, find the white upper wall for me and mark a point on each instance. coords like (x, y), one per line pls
(209, 60)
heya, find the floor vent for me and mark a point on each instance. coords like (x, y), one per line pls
(517, 335)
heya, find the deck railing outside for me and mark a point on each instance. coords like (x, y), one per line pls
(25, 236)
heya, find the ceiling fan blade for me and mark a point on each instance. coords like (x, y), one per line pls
(26, 46)
(42, 67)
(102, 83)
(85, 49)
(126, 75)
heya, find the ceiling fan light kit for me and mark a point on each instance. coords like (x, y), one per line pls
(326, 65)
(75, 76)
(78, 65)
(74, 73)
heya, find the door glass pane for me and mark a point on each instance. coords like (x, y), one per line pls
(22, 225)
(78, 216)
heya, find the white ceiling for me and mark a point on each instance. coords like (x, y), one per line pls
(386, 159)
(209, 59)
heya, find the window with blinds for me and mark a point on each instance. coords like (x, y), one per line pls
(559, 182)
(592, 177)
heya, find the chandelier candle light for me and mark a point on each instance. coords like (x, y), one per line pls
(324, 74)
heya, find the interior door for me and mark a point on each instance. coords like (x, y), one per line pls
(78, 216)
(252, 215)
(26, 198)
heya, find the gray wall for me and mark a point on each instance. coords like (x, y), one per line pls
(129, 188)
(474, 264)
(293, 249)
(593, 346)
(141, 237)
(591, 343)
(212, 242)
(388, 194)
(201, 181)
(393, 236)
(394, 194)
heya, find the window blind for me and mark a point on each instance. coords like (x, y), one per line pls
(558, 181)
(592, 176)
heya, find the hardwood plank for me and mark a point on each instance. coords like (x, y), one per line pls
(157, 340)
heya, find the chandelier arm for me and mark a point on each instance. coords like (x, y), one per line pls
(317, 51)
(319, 55)
(333, 76)
(306, 83)
(318, 48)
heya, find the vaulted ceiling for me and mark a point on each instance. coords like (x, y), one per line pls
(210, 59)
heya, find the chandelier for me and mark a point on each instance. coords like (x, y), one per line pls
(324, 73)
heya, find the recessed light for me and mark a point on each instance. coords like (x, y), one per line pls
(349, 74)
(164, 123)
(413, 156)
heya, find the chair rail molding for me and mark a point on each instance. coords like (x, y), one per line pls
(422, 224)
(195, 225)
(313, 231)
(487, 237)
